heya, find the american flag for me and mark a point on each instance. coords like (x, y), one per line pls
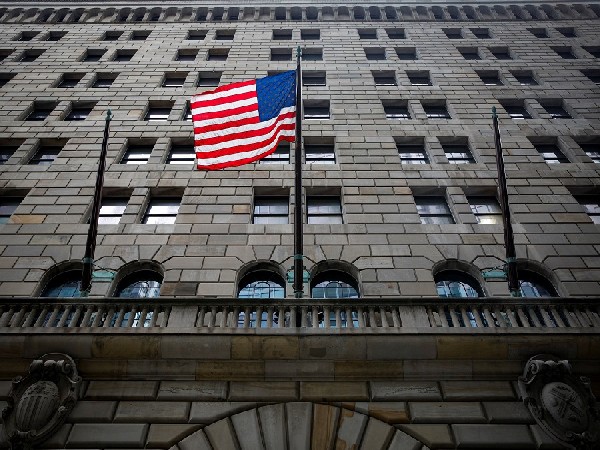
(243, 122)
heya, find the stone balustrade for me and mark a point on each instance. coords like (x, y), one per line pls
(318, 315)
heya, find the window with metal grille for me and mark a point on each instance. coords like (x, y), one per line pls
(412, 153)
(8, 205)
(112, 210)
(397, 110)
(532, 284)
(551, 153)
(500, 52)
(281, 155)
(538, 32)
(218, 54)
(375, 54)
(137, 154)
(31, 55)
(112, 35)
(93, 55)
(174, 80)
(516, 111)
(564, 52)
(162, 210)
(158, 113)
(80, 111)
(316, 109)
(40, 111)
(104, 80)
(139, 35)
(486, 209)
(181, 154)
(457, 284)
(436, 111)
(591, 205)
(225, 35)
(196, 35)
(453, 33)
(490, 77)
(69, 80)
(65, 285)
(395, 33)
(140, 284)
(282, 35)
(481, 33)
(525, 78)
(310, 35)
(323, 209)
(281, 54)
(469, 53)
(406, 53)
(420, 78)
(312, 54)
(367, 33)
(555, 110)
(124, 55)
(458, 153)
(313, 78)
(384, 78)
(271, 209)
(433, 210)
(319, 153)
(186, 54)
(45, 155)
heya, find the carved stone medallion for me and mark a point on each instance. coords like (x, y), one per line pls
(562, 404)
(40, 402)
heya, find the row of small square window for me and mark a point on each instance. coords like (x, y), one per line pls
(320, 209)
(288, 34)
(411, 150)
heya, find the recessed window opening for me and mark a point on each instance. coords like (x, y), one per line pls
(323, 209)
(181, 154)
(65, 285)
(162, 210)
(112, 210)
(412, 151)
(281, 155)
(433, 210)
(456, 284)
(486, 209)
(140, 284)
(271, 209)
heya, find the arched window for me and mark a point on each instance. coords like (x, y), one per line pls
(66, 284)
(333, 284)
(532, 284)
(456, 284)
(140, 284)
(261, 284)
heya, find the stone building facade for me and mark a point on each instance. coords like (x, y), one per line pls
(400, 187)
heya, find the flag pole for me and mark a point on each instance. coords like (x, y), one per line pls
(90, 245)
(509, 242)
(298, 231)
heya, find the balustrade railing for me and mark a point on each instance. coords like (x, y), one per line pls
(366, 314)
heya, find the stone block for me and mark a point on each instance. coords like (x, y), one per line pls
(299, 419)
(192, 390)
(430, 369)
(264, 347)
(126, 347)
(108, 435)
(471, 347)
(196, 347)
(400, 347)
(246, 424)
(450, 412)
(543, 440)
(208, 412)
(222, 435)
(377, 435)
(152, 412)
(121, 390)
(230, 370)
(402, 441)
(493, 436)
(507, 412)
(195, 441)
(333, 347)
(5, 387)
(359, 370)
(477, 390)
(274, 430)
(324, 427)
(432, 435)
(58, 438)
(165, 435)
(388, 412)
(299, 369)
(92, 411)
(334, 391)
(350, 429)
(263, 391)
(405, 390)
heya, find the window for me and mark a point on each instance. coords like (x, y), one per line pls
(538, 32)
(367, 33)
(281, 54)
(313, 78)
(104, 80)
(456, 284)
(386, 78)
(112, 209)
(551, 153)
(80, 111)
(162, 210)
(591, 149)
(532, 284)
(137, 154)
(312, 54)
(261, 284)
(490, 78)
(433, 210)
(7, 149)
(139, 35)
(420, 78)
(158, 112)
(564, 52)
(69, 80)
(310, 35)
(40, 111)
(187, 112)
(397, 110)
(412, 152)
(282, 35)
(217, 54)
(594, 51)
(593, 75)
(224, 35)
(271, 210)
(181, 154)
(140, 284)
(555, 110)
(481, 33)
(395, 33)
(112, 35)
(196, 35)
(333, 284)
(436, 111)
(567, 32)
(516, 111)
(174, 80)
(525, 78)
(124, 55)
(187, 54)
(485, 209)
(8, 205)
(5, 78)
(208, 79)
(65, 285)
(406, 53)
(319, 153)
(4, 54)
(375, 54)
(458, 153)
(453, 33)
(31, 55)
(469, 53)
(591, 205)
(500, 52)
(45, 155)
(93, 55)
(281, 155)
(27, 35)
(316, 109)
(323, 209)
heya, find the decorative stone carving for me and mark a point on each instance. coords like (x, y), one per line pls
(39, 403)
(561, 403)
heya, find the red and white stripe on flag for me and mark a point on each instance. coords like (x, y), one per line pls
(243, 122)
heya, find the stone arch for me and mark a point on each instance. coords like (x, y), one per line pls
(350, 274)
(542, 271)
(249, 270)
(457, 265)
(55, 271)
(132, 267)
(302, 425)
